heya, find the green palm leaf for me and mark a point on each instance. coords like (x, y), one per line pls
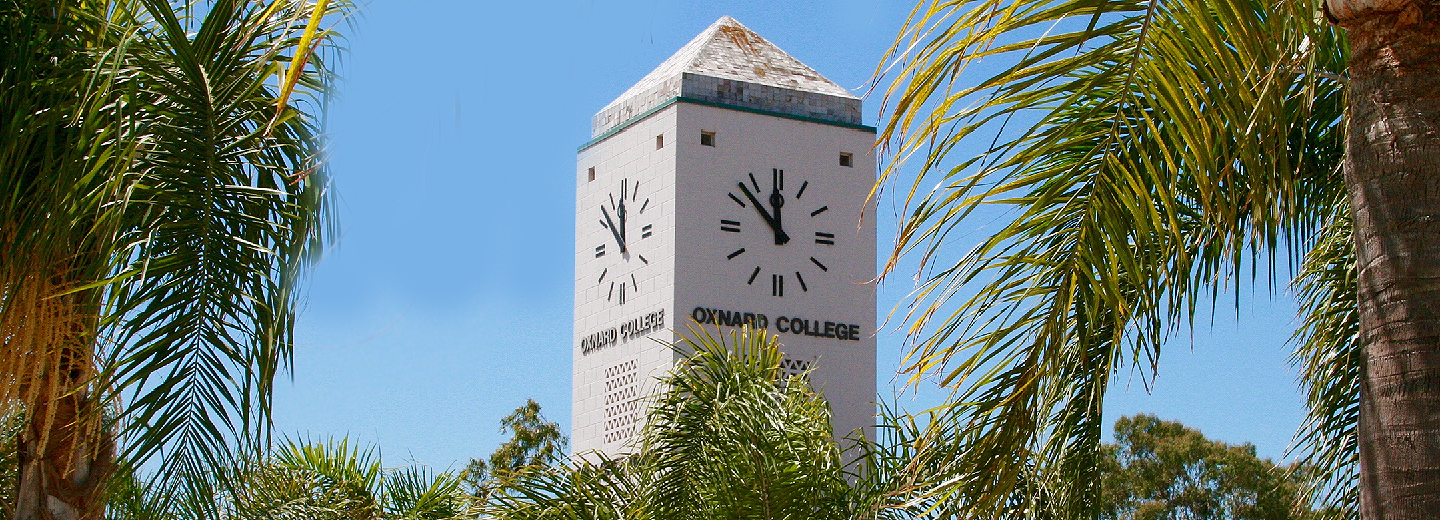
(1173, 143)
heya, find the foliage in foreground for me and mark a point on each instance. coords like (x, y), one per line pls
(1146, 153)
(163, 188)
(731, 437)
(297, 482)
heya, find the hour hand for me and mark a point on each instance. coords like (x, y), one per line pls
(780, 236)
(609, 223)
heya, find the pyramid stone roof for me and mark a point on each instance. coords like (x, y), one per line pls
(730, 65)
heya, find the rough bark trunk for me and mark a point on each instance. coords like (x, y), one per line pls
(66, 455)
(1392, 170)
(63, 476)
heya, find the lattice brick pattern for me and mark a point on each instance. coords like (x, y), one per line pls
(622, 401)
(793, 367)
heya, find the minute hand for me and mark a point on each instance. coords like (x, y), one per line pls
(780, 236)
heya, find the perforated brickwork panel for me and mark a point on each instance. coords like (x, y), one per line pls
(622, 401)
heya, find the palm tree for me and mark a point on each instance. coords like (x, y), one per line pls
(730, 437)
(300, 481)
(1151, 152)
(162, 188)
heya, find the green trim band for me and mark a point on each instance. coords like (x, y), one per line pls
(701, 102)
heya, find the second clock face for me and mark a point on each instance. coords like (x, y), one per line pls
(781, 215)
(622, 257)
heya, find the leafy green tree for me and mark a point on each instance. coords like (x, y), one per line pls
(1151, 152)
(731, 437)
(162, 189)
(1162, 470)
(534, 442)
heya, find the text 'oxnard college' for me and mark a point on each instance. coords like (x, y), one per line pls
(631, 329)
(783, 324)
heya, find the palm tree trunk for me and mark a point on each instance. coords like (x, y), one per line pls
(63, 476)
(1392, 171)
(66, 455)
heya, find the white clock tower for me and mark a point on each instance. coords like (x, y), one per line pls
(727, 187)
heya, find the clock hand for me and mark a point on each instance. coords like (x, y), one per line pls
(776, 201)
(620, 213)
(780, 237)
(611, 225)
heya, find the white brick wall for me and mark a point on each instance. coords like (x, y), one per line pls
(688, 186)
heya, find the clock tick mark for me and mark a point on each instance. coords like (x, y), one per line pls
(777, 178)
(737, 252)
(599, 250)
(818, 264)
(824, 238)
(623, 182)
(645, 231)
(754, 182)
(643, 206)
(736, 199)
(642, 259)
(633, 283)
(635, 192)
(753, 274)
(602, 275)
(777, 285)
(612, 201)
(801, 279)
(803, 185)
(611, 296)
(818, 211)
(732, 226)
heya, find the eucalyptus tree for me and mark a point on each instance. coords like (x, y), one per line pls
(162, 188)
(1151, 152)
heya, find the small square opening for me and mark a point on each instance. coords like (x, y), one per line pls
(846, 159)
(659, 141)
(592, 173)
(707, 138)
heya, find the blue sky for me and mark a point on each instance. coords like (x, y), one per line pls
(447, 300)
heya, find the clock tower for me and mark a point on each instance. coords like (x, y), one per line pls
(728, 187)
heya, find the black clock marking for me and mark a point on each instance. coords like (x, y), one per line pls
(753, 274)
(818, 264)
(777, 285)
(801, 279)
(737, 252)
(824, 238)
(732, 226)
(772, 217)
(801, 193)
(617, 217)
(736, 199)
(818, 211)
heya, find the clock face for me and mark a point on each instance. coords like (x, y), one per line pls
(622, 213)
(787, 241)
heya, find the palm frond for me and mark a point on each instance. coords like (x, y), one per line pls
(1169, 144)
